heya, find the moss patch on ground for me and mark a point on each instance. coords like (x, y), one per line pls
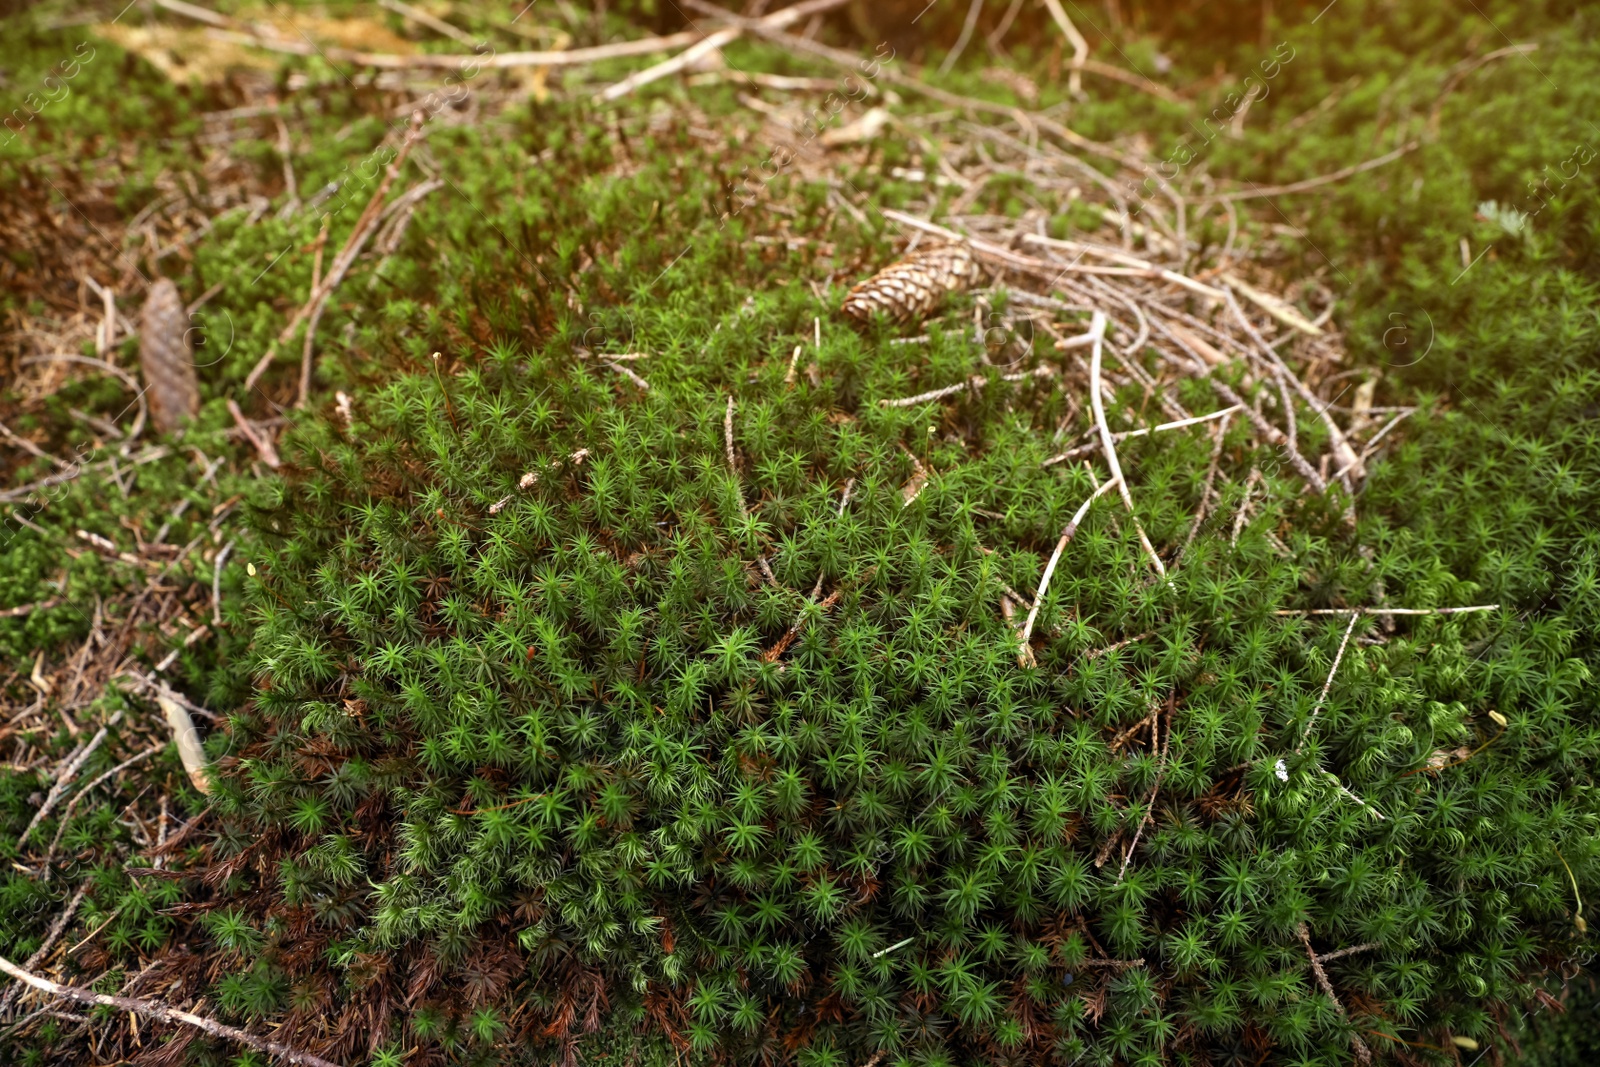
(513, 768)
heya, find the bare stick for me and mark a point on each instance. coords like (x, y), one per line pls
(127, 379)
(263, 444)
(1388, 611)
(1258, 191)
(1327, 685)
(437, 25)
(1124, 643)
(1372, 445)
(1341, 445)
(1127, 434)
(1155, 788)
(31, 448)
(1244, 506)
(974, 9)
(1097, 328)
(688, 57)
(1363, 1053)
(66, 815)
(1080, 47)
(630, 374)
(57, 790)
(352, 248)
(976, 382)
(312, 308)
(1024, 653)
(1343, 789)
(733, 468)
(1351, 951)
(1205, 493)
(50, 938)
(162, 1013)
(225, 29)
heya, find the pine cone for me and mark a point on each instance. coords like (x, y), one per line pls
(914, 286)
(165, 358)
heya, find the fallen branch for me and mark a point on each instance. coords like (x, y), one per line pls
(1097, 329)
(1155, 789)
(66, 814)
(1024, 652)
(1327, 685)
(687, 58)
(1351, 951)
(50, 938)
(162, 1013)
(312, 309)
(259, 440)
(60, 788)
(1341, 445)
(1205, 491)
(1363, 1053)
(1127, 434)
(226, 29)
(1257, 191)
(975, 383)
(1388, 611)
(733, 469)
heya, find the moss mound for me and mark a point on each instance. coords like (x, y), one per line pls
(538, 743)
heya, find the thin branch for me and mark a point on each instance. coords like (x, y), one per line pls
(688, 57)
(1256, 192)
(1124, 643)
(1327, 685)
(1351, 951)
(312, 309)
(1025, 653)
(733, 468)
(1097, 328)
(974, 10)
(261, 442)
(162, 1013)
(60, 788)
(1141, 432)
(1205, 493)
(1372, 445)
(1080, 47)
(975, 383)
(66, 814)
(1388, 611)
(226, 29)
(50, 938)
(1363, 1053)
(1155, 789)
(437, 25)
(1341, 445)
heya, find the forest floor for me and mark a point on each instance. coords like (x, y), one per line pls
(1390, 211)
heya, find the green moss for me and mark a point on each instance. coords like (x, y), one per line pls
(521, 779)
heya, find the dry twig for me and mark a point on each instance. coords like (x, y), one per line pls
(161, 1013)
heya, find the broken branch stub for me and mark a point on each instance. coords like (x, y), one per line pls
(165, 359)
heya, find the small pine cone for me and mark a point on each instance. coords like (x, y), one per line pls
(165, 358)
(914, 286)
